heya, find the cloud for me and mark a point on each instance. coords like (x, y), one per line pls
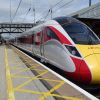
(41, 7)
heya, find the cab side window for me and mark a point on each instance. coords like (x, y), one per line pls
(51, 34)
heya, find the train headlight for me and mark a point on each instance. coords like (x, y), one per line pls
(73, 50)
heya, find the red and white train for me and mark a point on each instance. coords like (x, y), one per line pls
(68, 44)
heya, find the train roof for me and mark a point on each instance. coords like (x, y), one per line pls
(57, 20)
(62, 20)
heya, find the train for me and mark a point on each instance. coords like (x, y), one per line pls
(68, 44)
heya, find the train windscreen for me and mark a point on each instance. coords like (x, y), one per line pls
(78, 31)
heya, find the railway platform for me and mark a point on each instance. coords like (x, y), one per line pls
(24, 78)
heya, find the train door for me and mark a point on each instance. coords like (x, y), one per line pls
(44, 39)
(32, 45)
(37, 43)
(42, 42)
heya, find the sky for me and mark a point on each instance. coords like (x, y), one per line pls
(41, 9)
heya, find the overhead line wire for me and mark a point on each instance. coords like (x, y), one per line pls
(17, 10)
(58, 8)
(57, 3)
(64, 5)
(51, 8)
(26, 14)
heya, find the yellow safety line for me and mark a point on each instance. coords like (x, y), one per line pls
(45, 79)
(50, 80)
(25, 83)
(49, 93)
(29, 91)
(32, 68)
(23, 70)
(43, 93)
(18, 65)
(40, 70)
(21, 77)
(10, 91)
(16, 68)
(52, 90)
(56, 87)
(26, 69)
(64, 97)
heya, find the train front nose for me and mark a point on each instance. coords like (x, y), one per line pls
(93, 63)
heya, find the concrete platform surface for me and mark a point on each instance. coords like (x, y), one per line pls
(23, 78)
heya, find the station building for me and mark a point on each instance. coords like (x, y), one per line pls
(90, 16)
(89, 12)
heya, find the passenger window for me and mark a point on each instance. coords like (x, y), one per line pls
(51, 34)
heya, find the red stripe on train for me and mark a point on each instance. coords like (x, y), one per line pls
(61, 37)
(82, 73)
